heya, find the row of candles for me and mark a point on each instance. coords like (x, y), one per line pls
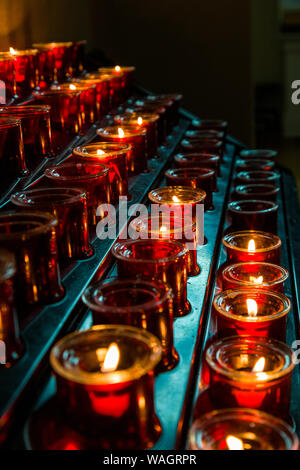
(110, 369)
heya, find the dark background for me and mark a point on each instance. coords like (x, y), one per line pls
(229, 58)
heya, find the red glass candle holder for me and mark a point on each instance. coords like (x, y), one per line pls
(78, 56)
(254, 275)
(254, 372)
(127, 74)
(253, 215)
(265, 192)
(70, 208)
(36, 127)
(156, 259)
(143, 304)
(115, 156)
(100, 99)
(241, 429)
(197, 178)
(184, 201)
(247, 246)
(26, 71)
(166, 102)
(116, 85)
(146, 121)
(198, 160)
(65, 112)
(32, 239)
(105, 384)
(175, 99)
(12, 347)
(266, 154)
(204, 146)
(257, 177)
(88, 100)
(12, 155)
(8, 86)
(137, 162)
(254, 164)
(58, 55)
(169, 227)
(253, 312)
(92, 178)
(152, 108)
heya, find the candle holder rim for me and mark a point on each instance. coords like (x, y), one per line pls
(49, 221)
(122, 376)
(150, 117)
(248, 152)
(80, 86)
(262, 344)
(132, 131)
(202, 143)
(50, 172)
(283, 271)
(202, 171)
(199, 194)
(270, 188)
(90, 292)
(56, 91)
(270, 174)
(188, 221)
(77, 195)
(124, 68)
(28, 110)
(182, 251)
(263, 161)
(285, 301)
(226, 240)
(250, 414)
(222, 122)
(52, 45)
(22, 52)
(201, 156)
(9, 121)
(79, 151)
(271, 206)
(6, 55)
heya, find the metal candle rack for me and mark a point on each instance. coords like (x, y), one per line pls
(28, 384)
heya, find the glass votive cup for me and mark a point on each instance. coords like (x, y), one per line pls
(36, 127)
(257, 177)
(253, 215)
(105, 385)
(175, 99)
(196, 178)
(146, 121)
(251, 245)
(241, 429)
(151, 107)
(137, 162)
(265, 192)
(113, 155)
(167, 103)
(31, 237)
(198, 160)
(116, 87)
(183, 200)
(248, 371)
(26, 71)
(69, 207)
(100, 97)
(253, 312)
(78, 56)
(169, 227)
(12, 155)
(59, 56)
(254, 275)
(143, 304)
(92, 178)
(11, 344)
(164, 260)
(8, 86)
(204, 146)
(254, 164)
(65, 112)
(88, 100)
(266, 154)
(127, 74)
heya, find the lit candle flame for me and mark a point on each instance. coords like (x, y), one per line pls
(140, 121)
(12, 51)
(175, 199)
(257, 280)
(112, 359)
(259, 365)
(117, 68)
(251, 246)
(234, 443)
(252, 307)
(163, 229)
(100, 152)
(72, 87)
(121, 132)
